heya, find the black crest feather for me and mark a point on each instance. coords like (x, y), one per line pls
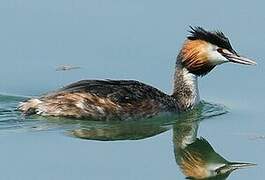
(214, 37)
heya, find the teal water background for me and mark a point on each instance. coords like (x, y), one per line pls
(124, 40)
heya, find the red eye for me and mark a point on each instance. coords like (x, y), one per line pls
(220, 50)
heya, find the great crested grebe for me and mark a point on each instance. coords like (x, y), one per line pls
(126, 99)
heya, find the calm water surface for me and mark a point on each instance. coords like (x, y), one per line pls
(126, 40)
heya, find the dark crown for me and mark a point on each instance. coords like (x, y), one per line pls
(215, 37)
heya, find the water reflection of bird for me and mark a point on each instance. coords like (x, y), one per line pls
(125, 99)
(116, 132)
(196, 157)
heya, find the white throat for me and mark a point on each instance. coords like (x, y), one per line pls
(191, 81)
(185, 88)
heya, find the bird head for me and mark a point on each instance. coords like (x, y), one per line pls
(200, 161)
(203, 50)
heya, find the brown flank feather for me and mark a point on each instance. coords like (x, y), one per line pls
(87, 105)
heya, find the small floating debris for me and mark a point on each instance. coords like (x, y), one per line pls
(67, 67)
(252, 136)
(257, 137)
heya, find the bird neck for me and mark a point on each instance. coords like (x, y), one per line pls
(185, 89)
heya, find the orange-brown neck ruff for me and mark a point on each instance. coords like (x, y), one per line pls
(192, 165)
(194, 57)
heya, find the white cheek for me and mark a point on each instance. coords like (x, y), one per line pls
(214, 56)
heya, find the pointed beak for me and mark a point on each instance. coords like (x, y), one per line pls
(240, 165)
(235, 58)
(231, 166)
